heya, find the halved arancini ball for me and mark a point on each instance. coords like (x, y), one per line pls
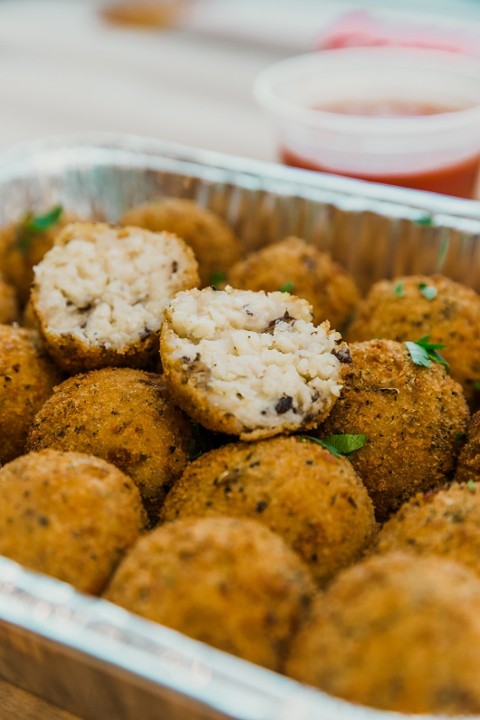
(100, 292)
(249, 363)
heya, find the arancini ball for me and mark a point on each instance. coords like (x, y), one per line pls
(124, 416)
(313, 499)
(230, 583)
(68, 515)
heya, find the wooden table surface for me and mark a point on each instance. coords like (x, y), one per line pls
(16, 704)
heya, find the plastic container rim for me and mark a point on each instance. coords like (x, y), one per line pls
(282, 109)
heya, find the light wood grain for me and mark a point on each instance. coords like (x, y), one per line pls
(16, 704)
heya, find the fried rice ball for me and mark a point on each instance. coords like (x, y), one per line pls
(230, 583)
(100, 292)
(396, 632)
(24, 242)
(249, 363)
(27, 379)
(468, 463)
(313, 499)
(413, 307)
(68, 515)
(411, 414)
(215, 246)
(446, 523)
(124, 416)
(298, 266)
(9, 308)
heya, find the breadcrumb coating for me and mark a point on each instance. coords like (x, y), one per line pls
(313, 499)
(412, 416)
(27, 379)
(306, 272)
(412, 307)
(125, 416)
(445, 523)
(396, 632)
(68, 515)
(468, 463)
(230, 583)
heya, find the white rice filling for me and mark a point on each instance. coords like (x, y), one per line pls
(258, 354)
(110, 286)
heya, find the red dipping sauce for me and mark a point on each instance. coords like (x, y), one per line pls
(458, 179)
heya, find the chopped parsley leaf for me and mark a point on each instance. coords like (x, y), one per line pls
(476, 384)
(471, 485)
(424, 220)
(423, 352)
(287, 287)
(339, 444)
(428, 291)
(32, 225)
(217, 279)
(399, 289)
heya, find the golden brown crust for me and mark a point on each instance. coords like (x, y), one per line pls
(9, 310)
(311, 498)
(227, 582)
(396, 633)
(446, 523)
(74, 356)
(125, 416)
(215, 246)
(307, 272)
(17, 261)
(398, 309)
(468, 464)
(412, 416)
(27, 378)
(68, 515)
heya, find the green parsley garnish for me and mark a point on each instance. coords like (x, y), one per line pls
(428, 291)
(339, 444)
(32, 225)
(217, 279)
(399, 289)
(423, 352)
(471, 485)
(424, 220)
(460, 436)
(287, 287)
(476, 384)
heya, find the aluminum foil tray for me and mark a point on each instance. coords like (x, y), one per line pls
(82, 653)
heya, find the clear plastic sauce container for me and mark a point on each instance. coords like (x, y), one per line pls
(401, 116)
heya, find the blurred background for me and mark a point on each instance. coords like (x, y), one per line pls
(182, 71)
